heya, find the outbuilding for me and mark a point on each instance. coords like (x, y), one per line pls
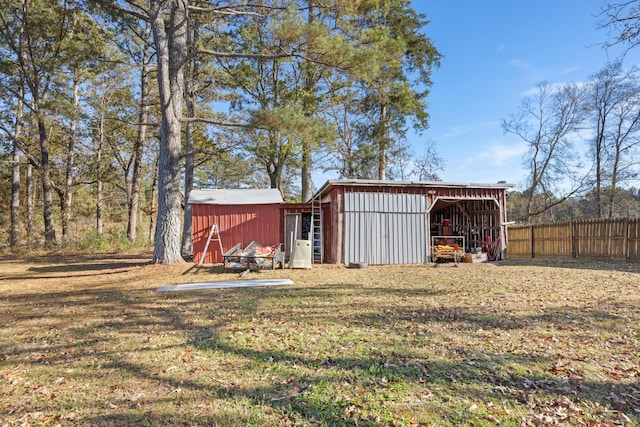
(240, 215)
(394, 222)
(358, 221)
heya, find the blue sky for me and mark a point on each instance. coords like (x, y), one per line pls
(495, 53)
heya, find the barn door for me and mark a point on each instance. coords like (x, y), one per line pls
(385, 228)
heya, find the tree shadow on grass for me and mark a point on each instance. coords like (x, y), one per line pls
(77, 266)
(598, 264)
(136, 418)
(488, 375)
(220, 270)
(329, 290)
(326, 389)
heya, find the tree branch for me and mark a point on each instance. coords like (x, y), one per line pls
(110, 4)
(235, 10)
(218, 123)
(262, 56)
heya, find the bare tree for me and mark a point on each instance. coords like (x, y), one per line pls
(548, 122)
(625, 139)
(429, 164)
(622, 19)
(613, 95)
(604, 95)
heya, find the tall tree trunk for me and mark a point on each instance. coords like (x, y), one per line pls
(275, 177)
(99, 183)
(47, 186)
(307, 161)
(535, 181)
(187, 225)
(15, 175)
(171, 52)
(29, 202)
(612, 195)
(383, 142)
(99, 196)
(152, 198)
(307, 183)
(136, 180)
(275, 166)
(71, 157)
(15, 198)
(189, 146)
(15, 240)
(614, 178)
(598, 154)
(99, 210)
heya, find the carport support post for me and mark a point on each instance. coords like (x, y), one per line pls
(339, 240)
(428, 230)
(431, 202)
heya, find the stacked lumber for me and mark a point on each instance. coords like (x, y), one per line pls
(447, 251)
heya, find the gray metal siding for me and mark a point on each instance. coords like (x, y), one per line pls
(383, 228)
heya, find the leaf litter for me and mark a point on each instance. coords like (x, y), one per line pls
(391, 345)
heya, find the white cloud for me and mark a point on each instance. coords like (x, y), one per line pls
(489, 163)
(500, 154)
(570, 69)
(455, 131)
(554, 88)
(535, 90)
(496, 155)
(521, 64)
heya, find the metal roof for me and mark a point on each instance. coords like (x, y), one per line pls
(372, 182)
(244, 196)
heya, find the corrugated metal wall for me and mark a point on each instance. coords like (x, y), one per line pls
(238, 224)
(382, 228)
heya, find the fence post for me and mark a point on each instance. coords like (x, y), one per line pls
(531, 242)
(574, 251)
(625, 241)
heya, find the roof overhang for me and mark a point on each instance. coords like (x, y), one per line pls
(426, 184)
(244, 196)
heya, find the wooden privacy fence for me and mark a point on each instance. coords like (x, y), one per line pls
(607, 238)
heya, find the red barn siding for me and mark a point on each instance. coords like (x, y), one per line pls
(238, 224)
(327, 233)
(334, 243)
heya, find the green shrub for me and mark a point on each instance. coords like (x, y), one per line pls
(93, 241)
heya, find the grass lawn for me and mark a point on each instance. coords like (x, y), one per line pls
(87, 340)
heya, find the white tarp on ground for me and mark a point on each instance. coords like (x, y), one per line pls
(229, 284)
